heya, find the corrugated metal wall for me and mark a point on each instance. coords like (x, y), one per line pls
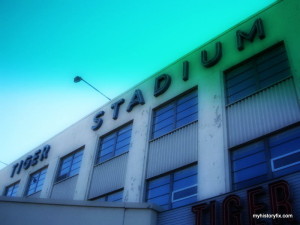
(266, 111)
(173, 150)
(64, 189)
(108, 176)
(179, 216)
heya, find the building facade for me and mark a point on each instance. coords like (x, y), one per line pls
(214, 138)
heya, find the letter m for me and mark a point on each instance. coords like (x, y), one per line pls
(257, 28)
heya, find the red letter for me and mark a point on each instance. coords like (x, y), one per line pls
(280, 201)
(197, 209)
(255, 208)
(232, 210)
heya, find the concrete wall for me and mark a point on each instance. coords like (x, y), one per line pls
(19, 211)
(280, 23)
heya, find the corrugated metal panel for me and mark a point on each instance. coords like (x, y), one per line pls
(64, 189)
(173, 150)
(262, 113)
(184, 215)
(35, 195)
(179, 216)
(109, 176)
(256, 73)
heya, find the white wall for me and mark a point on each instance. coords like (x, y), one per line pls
(18, 211)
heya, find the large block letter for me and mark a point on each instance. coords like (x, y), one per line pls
(232, 210)
(98, 121)
(198, 210)
(45, 152)
(214, 60)
(162, 83)
(257, 28)
(280, 201)
(116, 107)
(254, 206)
(136, 99)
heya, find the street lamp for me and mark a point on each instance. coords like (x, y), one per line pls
(78, 79)
(4, 163)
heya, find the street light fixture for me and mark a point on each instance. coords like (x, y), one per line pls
(78, 79)
(4, 163)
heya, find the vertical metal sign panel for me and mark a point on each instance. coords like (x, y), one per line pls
(176, 149)
(261, 113)
(108, 176)
(65, 189)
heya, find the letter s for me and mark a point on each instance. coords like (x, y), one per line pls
(98, 121)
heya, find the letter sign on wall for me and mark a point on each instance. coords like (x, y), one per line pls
(163, 82)
(31, 160)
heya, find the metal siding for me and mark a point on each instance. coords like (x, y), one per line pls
(173, 150)
(184, 215)
(258, 72)
(65, 189)
(179, 216)
(266, 111)
(108, 176)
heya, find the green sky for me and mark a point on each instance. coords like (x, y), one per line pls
(112, 44)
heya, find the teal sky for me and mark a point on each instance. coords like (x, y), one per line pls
(112, 44)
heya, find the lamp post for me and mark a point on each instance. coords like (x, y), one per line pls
(4, 163)
(78, 79)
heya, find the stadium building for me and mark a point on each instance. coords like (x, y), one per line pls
(213, 139)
